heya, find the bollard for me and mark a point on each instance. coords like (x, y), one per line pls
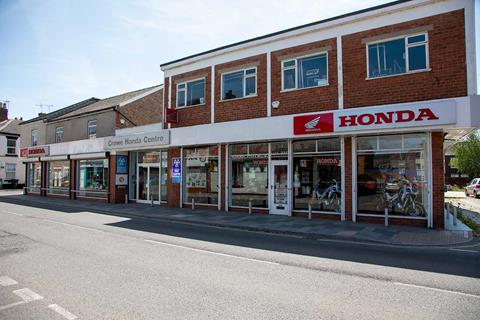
(193, 204)
(249, 207)
(386, 217)
(455, 209)
(24, 190)
(151, 204)
(309, 211)
(126, 198)
(447, 208)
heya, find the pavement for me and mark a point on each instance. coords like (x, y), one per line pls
(71, 263)
(295, 226)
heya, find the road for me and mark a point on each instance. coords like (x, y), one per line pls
(60, 264)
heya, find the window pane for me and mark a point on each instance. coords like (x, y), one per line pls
(414, 141)
(312, 71)
(290, 63)
(250, 83)
(200, 176)
(181, 98)
(316, 180)
(195, 92)
(386, 58)
(305, 146)
(249, 181)
(390, 142)
(93, 178)
(328, 145)
(417, 58)
(367, 143)
(288, 79)
(58, 177)
(414, 39)
(251, 71)
(232, 85)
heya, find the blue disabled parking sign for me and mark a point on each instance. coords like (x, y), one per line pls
(176, 170)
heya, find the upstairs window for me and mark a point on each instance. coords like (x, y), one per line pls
(398, 56)
(58, 134)
(239, 84)
(92, 129)
(11, 146)
(34, 137)
(191, 93)
(305, 72)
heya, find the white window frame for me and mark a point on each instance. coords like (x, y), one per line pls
(245, 76)
(7, 170)
(295, 67)
(57, 129)
(9, 148)
(34, 133)
(89, 125)
(185, 93)
(407, 46)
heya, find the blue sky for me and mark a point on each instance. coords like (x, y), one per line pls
(58, 52)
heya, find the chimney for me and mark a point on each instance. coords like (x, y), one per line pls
(41, 114)
(3, 111)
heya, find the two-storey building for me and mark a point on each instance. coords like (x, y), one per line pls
(344, 117)
(12, 170)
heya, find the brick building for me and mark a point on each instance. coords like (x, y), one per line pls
(344, 117)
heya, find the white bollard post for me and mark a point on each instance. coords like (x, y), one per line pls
(386, 217)
(193, 204)
(447, 208)
(309, 211)
(151, 197)
(249, 207)
(455, 211)
(126, 198)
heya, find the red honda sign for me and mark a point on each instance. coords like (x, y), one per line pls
(313, 123)
(34, 151)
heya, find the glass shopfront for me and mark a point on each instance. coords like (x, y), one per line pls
(34, 177)
(317, 175)
(149, 174)
(200, 177)
(58, 181)
(391, 174)
(93, 178)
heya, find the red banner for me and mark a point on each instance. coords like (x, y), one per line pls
(313, 123)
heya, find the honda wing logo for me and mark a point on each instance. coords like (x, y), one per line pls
(312, 123)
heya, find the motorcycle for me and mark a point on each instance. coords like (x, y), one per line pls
(402, 195)
(329, 198)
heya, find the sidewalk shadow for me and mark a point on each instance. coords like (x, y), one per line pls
(431, 260)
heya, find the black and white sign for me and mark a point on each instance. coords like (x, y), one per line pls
(150, 139)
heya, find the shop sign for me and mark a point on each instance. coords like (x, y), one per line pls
(415, 115)
(121, 179)
(176, 170)
(35, 151)
(121, 164)
(327, 161)
(138, 140)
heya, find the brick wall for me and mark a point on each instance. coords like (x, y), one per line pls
(193, 115)
(142, 111)
(438, 179)
(244, 108)
(447, 77)
(308, 99)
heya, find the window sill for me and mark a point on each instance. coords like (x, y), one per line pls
(297, 89)
(234, 99)
(400, 74)
(193, 105)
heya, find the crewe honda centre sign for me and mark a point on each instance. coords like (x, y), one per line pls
(150, 139)
(375, 118)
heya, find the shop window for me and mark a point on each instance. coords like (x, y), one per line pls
(93, 178)
(191, 93)
(34, 177)
(92, 129)
(201, 175)
(249, 175)
(58, 134)
(34, 137)
(398, 56)
(58, 177)
(12, 146)
(239, 84)
(317, 175)
(10, 169)
(305, 72)
(392, 175)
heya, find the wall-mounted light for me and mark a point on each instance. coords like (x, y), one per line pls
(122, 121)
(275, 104)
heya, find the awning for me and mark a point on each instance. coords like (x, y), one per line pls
(96, 155)
(53, 158)
(34, 159)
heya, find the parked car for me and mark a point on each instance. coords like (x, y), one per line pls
(473, 188)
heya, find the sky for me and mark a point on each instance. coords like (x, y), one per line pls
(59, 52)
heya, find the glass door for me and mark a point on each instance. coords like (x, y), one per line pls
(148, 183)
(142, 184)
(279, 186)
